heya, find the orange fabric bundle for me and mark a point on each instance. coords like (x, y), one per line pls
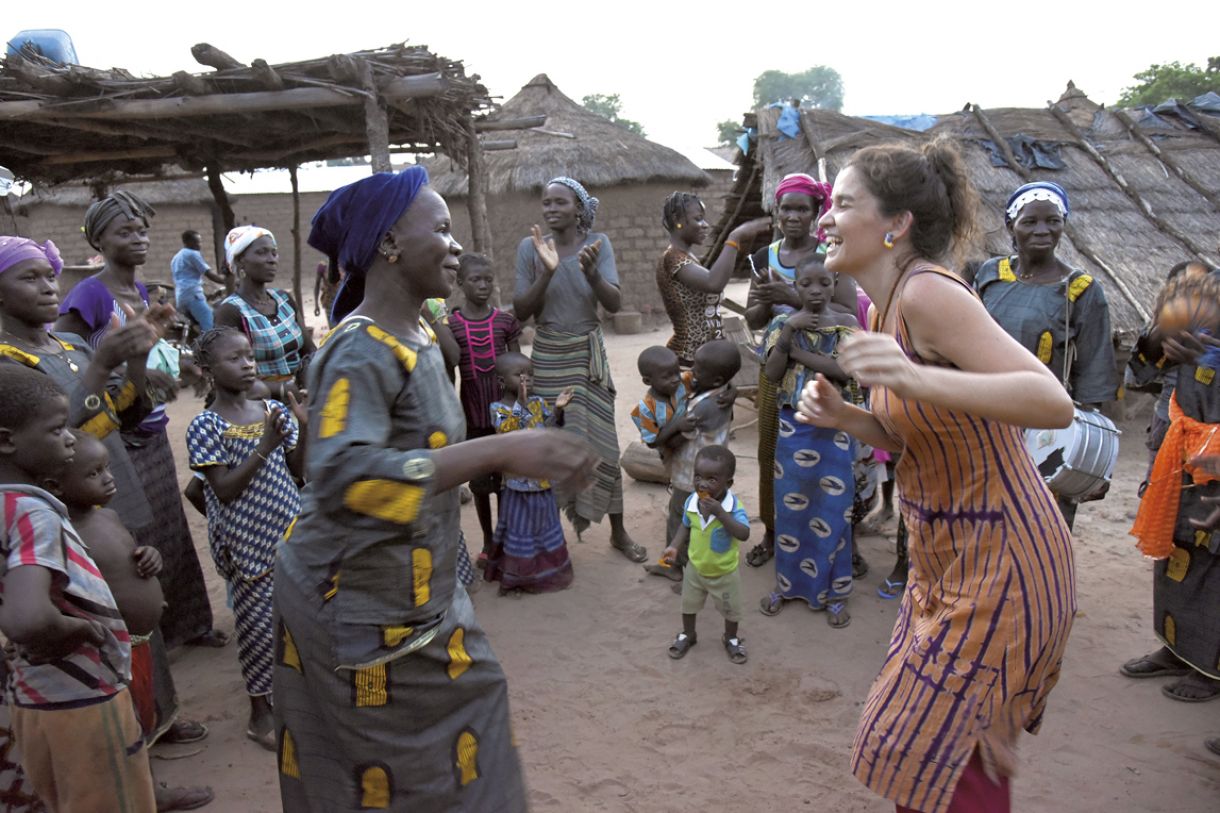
(1158, 511)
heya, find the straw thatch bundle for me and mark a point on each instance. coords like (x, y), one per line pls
(574, 142)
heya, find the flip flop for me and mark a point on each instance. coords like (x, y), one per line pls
(837, 615)
(891, 589)
(1213, 745)
(635, 553)
(1146, 666)
(1169, 691)
(182, 798)
(681, 645)
(184, 732)
(266, 740)
(771, 604)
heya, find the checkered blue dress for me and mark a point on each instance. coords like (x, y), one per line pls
(243, 534)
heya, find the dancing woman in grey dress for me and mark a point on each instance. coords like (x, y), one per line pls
(387, 694)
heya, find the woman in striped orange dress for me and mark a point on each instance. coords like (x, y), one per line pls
(980, 636)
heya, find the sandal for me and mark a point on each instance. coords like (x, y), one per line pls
(481, 562)
(213, 638)
(737, 652)
(168, 798)
(1206, 688)
(837, 615)
(635, 553)
(183, 732)
(267, 740)
(1154, 666)
(891, 589)
(1213, 745)
(681, 645)
(771, 604)
(760, 554)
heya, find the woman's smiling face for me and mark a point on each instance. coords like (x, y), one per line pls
(855, 227)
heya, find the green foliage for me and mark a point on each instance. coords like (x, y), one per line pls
(1174, 80)
(820, 86)
(608, 105)
(727, 132)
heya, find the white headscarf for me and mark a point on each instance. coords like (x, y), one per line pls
(239, 239)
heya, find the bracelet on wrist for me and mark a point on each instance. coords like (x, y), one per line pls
(732, 244)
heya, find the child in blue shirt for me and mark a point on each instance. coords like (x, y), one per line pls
(714, 522)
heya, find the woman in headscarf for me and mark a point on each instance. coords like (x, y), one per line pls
(799, 202)
(1177, 524)
(562, 278)
(1056, 312)
(269, 317)
(387, 694)
(117, 226)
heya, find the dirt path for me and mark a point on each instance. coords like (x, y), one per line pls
(607, 722)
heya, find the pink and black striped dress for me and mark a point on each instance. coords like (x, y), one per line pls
(981, 632)
(481, 341)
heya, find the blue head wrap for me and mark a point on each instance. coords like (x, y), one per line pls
(348, 228)
(1038, 190)
(586, 204)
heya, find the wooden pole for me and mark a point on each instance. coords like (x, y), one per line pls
(1166, 159)
(476, 197)
(376, 122)
(405, 87)
(522, 123)
(227, 219)
(296, 243)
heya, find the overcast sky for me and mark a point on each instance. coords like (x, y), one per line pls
(679, 66)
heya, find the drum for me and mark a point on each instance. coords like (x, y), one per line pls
(1078, 460)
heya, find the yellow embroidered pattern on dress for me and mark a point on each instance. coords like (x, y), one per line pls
(288, 756)
(394, 636)
(1005, 270)
(289, 656)
(1046, 346)
(370, 685)
(459, 658)
(1171, 630)
(467, 758)
(1178, 564)
(1078, 286)
(405, 355)
(421, 575)
(437, 440)
(1205, 375)
(385, 499)
(334, 410)
(375, 788)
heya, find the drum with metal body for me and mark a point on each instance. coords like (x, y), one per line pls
(1078, 460)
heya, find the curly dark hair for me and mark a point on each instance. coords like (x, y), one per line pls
(24, 393)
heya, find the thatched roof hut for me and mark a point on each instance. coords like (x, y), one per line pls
(574, 141)
(1143, 185)
(628, 173)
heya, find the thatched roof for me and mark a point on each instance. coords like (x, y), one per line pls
(79, 194)
(574, 142)
(65, 122)
(1143, 189)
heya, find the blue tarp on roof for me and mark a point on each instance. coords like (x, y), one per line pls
(919, 122)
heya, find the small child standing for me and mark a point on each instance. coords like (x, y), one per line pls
(85, 487)
(814, 482)
(71, 710)
(483, 333)
(249, 453)
(656, 417)
(706, 420)
(528, 553)
(714, 522)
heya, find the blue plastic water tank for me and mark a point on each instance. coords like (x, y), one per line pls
(52, 43)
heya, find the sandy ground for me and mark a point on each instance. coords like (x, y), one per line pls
(607, 722)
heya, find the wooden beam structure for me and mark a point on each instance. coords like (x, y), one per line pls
(404, 87)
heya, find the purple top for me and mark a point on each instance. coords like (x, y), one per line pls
(92, 301)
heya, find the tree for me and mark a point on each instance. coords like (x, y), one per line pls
(1174, 80)
(608, 105)
(820, 86)
(727, 132)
